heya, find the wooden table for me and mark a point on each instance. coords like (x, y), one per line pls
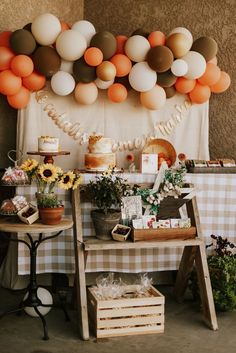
(13, 225)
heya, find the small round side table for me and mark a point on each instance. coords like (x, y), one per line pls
(48, 156)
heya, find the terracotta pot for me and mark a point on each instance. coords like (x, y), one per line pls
(51, 216)
(104, 223)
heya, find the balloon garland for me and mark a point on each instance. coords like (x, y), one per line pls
(77, 59)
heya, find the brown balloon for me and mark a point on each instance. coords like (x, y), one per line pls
(166, 79)
(82, 72)
(140, 32)
(46, 61)
(106, 42)
(160, 58)
(106, 71)
(22, 42)
(206, 46)
(179, 44)
(124, 81)
(170, 91)
(28, 27)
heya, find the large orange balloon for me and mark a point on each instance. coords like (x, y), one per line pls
(200, 94)
(34, 82)
(20, 99)
(5, 38)
(183, 85)
(120, 41)
(122, 63)
(117, 93)
(156, 38)
(210, 76)
(6, 55)
(22, 65)
(9, 83)
(222, 84)
(153, 99)
(93, 56)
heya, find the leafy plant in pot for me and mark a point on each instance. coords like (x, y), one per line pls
(48, 177)
(106, 192)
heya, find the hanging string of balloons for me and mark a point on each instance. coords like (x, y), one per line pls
(77, 59)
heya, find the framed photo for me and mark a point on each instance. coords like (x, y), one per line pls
(131, 207)
(149, 163)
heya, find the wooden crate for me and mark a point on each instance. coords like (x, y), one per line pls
(126, 316)
(163, 234)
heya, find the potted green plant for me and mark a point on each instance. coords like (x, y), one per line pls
(106, 192)
(48, 177)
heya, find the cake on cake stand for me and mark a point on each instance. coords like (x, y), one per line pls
(48, 156)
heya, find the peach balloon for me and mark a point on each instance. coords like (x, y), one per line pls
(93, 56)
(222, 84)
(86, 93)
(6, 55)
(64, 26)
(106, 71)
(153, 99)
(22, 65)
(183, 85)
(122, 63)
(34, 82)
(156, 38)
(117, 93)
(179, 44)
(210, 76)
(120, 42)
(9, 83)
(5, 38)
(200, 94)
(213, 61)
(20, 99)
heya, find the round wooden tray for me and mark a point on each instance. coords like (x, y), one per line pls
(156, 146)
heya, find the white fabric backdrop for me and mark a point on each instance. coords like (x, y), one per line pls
(122, 121)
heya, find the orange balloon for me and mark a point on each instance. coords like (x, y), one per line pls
(5, 39)
(200, 94)
(153, 99)
(183, 85)
(6, 55)
(34, 82)
(117, 93)
(20, 99)
(64, 26)
(122, 63)
(156, 38)
(93, 56)
(210, 76)
(120, 42)
(22, 65)
(9, 83)
(222, 84)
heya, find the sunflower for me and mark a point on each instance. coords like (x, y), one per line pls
(29, 165)
(48, 172)
(67, 180)
(77, 182)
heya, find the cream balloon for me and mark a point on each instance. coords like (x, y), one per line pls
(62, 83)
(136, 48)
(71, 45)
(142, 78)
(86, 93)
(184, 31)
(67, 66)
(103, 84)
(85, 28)
(196, 65)
(46, 298)
(153, 99)
(45, 28)
(179, 67)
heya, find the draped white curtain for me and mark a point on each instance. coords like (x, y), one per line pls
(121, 121)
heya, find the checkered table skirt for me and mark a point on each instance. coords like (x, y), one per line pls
(216, 198)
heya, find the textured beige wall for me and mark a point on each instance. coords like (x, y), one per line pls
(214, 18)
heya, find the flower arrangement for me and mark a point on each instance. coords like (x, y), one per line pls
(47, 177)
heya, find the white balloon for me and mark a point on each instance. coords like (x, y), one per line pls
(103, 84)
(86, 28)
(45, 28)
(196, 65)
(179, 67)
(142, 78)
(71, 45)
(182, 30)
(46, 298)
(136, 48)
(67, 66)
(62, 83)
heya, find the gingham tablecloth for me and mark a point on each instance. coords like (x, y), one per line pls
(216, 198)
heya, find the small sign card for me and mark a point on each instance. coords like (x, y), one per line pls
(131, 207)
(149, 163)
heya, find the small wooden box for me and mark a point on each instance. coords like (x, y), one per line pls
(127, 316)
(163, 234)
